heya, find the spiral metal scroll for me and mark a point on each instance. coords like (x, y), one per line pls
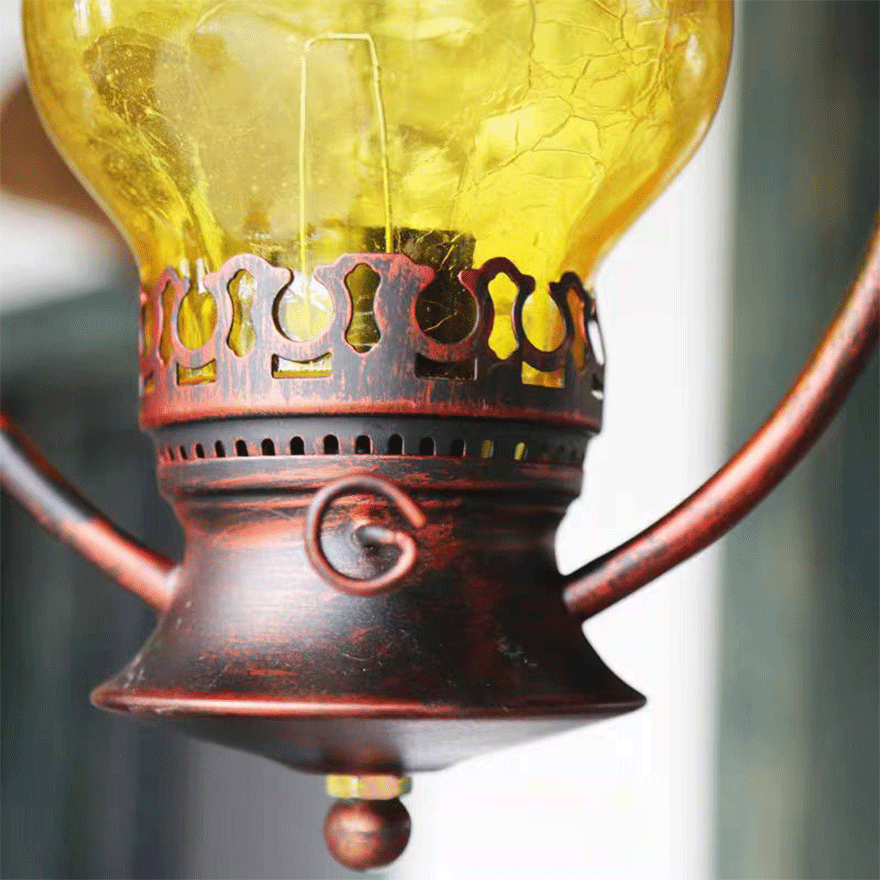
(364, 484)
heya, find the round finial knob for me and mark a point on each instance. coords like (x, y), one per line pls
(367, 834)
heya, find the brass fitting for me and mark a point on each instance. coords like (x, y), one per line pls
(378, 787)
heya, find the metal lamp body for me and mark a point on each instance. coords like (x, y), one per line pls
(312, 626)
(292, 631)
(473, 649)
(368, 586)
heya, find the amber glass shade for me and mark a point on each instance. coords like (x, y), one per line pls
(450, 130)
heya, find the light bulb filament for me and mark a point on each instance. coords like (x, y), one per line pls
(383, 137)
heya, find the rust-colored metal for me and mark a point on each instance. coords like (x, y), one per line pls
(472, 650)
(365, 533)
(382, 380)
(756, 469)
(364, 834)
(305, 622)
(62, 511)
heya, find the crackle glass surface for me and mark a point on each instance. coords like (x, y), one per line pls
(450, 130)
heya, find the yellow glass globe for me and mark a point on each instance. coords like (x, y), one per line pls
(450, 130)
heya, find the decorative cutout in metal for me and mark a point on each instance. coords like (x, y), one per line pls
(275, 375)
(366, 436)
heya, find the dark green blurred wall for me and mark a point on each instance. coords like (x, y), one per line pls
(798, 750)
(84, 793)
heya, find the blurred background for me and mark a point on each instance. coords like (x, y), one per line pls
(757, 755)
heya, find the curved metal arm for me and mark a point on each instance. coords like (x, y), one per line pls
(758, 466)
(59, 508)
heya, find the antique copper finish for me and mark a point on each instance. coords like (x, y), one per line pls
(369, 585)
(363, 834)
(66, 515)
(472, 648)
(368, 826)
(381, 380)
(365, 534)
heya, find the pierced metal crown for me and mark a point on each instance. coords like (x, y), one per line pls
(406, 371)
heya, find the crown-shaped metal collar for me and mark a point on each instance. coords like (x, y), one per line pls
(406, 371)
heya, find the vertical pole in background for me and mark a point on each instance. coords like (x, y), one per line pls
(798, 762)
